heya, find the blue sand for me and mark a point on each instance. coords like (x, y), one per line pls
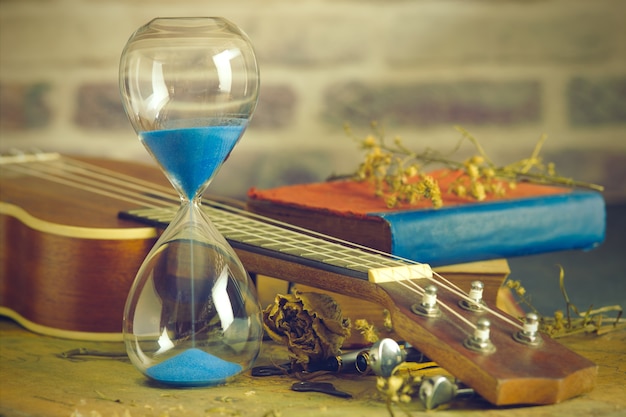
(191, 156)
(193, 367)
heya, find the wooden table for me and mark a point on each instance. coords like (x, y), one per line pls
(35, 381)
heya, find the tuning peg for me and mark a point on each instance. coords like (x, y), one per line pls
(439, 390)
(529, 335)
(475, 302)
(480, 341)
(428, 306)
(382, 358)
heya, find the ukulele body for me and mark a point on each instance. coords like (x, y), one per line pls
(67, 261)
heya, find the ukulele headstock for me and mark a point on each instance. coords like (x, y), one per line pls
(505, 361)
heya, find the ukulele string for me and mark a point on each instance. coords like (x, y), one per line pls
(453, 289)
(58, 176)
(413, 286)
(417, 289)
(130, 189)
(123, 184)
(138, 184)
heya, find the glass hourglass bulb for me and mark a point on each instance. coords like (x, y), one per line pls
(189, 87)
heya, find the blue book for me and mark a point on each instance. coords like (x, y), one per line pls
(529, 219)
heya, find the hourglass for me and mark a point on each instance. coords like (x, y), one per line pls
(189, 87)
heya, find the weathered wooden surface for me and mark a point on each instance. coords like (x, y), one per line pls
(34, 381)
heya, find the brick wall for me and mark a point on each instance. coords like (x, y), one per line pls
(508, 71)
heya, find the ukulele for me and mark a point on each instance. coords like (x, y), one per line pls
(74, 231)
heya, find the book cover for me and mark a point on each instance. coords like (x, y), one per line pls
(529, 219)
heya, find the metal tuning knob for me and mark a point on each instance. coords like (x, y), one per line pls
(479, 341)
(438, 390)
(529, 335)
(475, 302)
(428, 306)
(382, 358)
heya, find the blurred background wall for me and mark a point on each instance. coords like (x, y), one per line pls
(508, 71)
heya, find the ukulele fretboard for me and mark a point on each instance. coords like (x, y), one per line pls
(280, 242)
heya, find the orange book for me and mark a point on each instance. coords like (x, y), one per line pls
(529, 219)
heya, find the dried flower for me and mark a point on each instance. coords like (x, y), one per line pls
(397, 176)
(310, 324)
(369, 142)
(478, 191)
(562, 323)
(367, 330)
(398, 389)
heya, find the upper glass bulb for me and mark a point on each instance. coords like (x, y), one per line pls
(185, 82)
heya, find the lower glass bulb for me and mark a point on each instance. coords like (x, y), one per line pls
(192, 316)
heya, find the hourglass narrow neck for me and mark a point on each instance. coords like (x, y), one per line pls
(195, 202)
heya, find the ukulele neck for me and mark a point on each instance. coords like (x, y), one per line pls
(281, 241)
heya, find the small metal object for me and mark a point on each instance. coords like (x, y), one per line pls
(438, 390)
(413, 355)
(341, 363)
(475, 302)
(529, 335)
(479, 341)
(428, 307)
(271, 370)
(382, 358)
(323, 387)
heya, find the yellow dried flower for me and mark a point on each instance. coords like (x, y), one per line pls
(387, 320)
(477, 191)
(412, 171)
(498, 189)
(460, 190)
(381, 383)
(437, 201)
(475, 160)
(389, 166)
(430, 182)
(472, 171)
(394, 383)
(391, 201)
(513, 283)
(367, 330)
(369, 142)
(489, 172)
